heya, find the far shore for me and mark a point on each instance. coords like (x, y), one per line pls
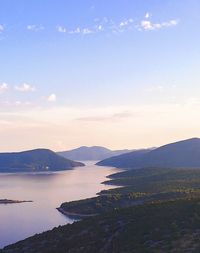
(9, 201)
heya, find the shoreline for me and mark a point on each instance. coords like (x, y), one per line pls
(9, 201)
(75, 215)
(80, 216)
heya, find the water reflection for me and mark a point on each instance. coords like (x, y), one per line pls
(48, 191)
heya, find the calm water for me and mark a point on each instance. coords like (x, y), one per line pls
(48, 191)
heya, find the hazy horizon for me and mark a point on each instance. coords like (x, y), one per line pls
(119, 74)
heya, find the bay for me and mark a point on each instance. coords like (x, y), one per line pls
(47, 191)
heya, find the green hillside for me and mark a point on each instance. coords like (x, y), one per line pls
(157, 210)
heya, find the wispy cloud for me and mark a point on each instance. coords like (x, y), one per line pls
(111, 118)
(52, 98)
(35, 28)
(101, 25)
(21, 103)
(3, 87)
(149, 25)
(135, 124)
(119, 27)
(87, 31)
(15, 104)
(126, 22)
(147, 15)
(75, 31)
(25, 87)
(122, 26)
(61, 29)
(109, 25)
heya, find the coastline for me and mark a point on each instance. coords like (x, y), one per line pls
(77, 216)
(9, 201)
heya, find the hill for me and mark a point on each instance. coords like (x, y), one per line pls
(139, 186)
(182, 154)
(94, 153)
(167, 227)
(35, 160)
(157, 210)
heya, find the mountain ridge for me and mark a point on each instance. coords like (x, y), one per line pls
(94, 153)
(184, 153)
(35, 160)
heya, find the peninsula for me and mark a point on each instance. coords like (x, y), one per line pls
(37, 160)
(9, 201)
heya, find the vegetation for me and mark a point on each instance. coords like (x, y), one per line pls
(157, 211)
(182, 154)
(172, 226)
(35, 160)
(9, 201)
(140, 186)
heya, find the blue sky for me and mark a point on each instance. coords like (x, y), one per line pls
(117, 73)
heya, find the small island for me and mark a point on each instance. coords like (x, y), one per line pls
(9, 201)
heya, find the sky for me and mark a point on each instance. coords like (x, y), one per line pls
(114, 73)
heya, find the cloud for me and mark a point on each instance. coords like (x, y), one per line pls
(61, 29)
(35, 28)
(25, 87)
(3, 87)
(122, 26)
(52, 98)
(99, 27)
(147, 25)
(110, 118)
(87, 31)
(147, 15)
(126, 22)
(8, 105)
(21, 103)
(149, 125)
(76, 31)
(1, 28)
(83, 31)
(109, 25)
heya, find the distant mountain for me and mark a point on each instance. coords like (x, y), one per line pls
(123, 160)
(185, 154)
(94, 153)
(35, 161)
